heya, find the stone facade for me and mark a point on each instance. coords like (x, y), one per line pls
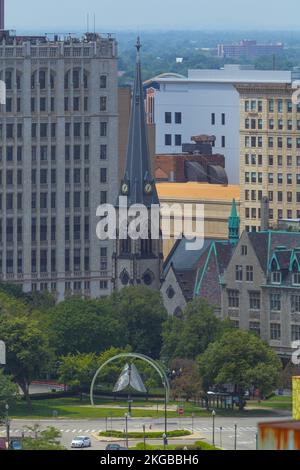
(59, 161)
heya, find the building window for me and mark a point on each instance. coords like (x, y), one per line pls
(275, 302)
(223, 141)
(254, 300)
(103, 81)
(103, 129)
(275, 331)
(168, 118)
(244, 250)
(295, 303)
(178, 118)
(296, 279)
(233, 299)
(213, 119)
(249, 273)
(168, 139)
(238, 273)
(295, 332)
(254, 327)
(276, 277)
(223, 119)
(178, 140)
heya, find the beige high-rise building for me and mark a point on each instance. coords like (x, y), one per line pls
(58, 161)
(270, 153)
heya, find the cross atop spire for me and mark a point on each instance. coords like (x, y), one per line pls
(138, 183)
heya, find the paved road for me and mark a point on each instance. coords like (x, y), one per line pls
(246, 429)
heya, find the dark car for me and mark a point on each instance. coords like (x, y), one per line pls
(115, 447)
(15, 444)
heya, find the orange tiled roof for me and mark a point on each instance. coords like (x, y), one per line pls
(200, 191)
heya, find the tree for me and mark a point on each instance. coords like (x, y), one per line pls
(84, 326)
(188, 382)
(189, 337)
(143, 313)
(28, 351)
(241, 359)
(8, 392)
(78, 371)
(48, 439)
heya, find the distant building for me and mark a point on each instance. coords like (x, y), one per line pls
(248, 49)
(2, 14)
(216, 200)
(195, 163)
(270, 153)
(206, 100)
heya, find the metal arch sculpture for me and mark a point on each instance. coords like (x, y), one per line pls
(151, 362)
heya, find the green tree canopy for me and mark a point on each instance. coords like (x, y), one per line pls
(47, 439)
(143, 313)
(84, 326)
(8, 392)
(27, 347)
(241, 359)
(189, 337)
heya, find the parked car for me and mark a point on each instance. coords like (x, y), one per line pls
(15, 444)
(115, 447)
(81, 441)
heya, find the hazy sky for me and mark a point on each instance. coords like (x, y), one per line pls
(137, 14)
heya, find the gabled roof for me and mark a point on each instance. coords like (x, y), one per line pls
(267, 243)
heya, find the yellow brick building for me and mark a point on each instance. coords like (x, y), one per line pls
(296, 398)
(269, 153)
(216, 199)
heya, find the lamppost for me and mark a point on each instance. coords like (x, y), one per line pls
(213, 418)
(193, 416)
(7, 424)
(144, 432)
(221, 429)
(235, 436)
(126, 429)
(166, 411)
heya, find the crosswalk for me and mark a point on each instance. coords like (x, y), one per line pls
(203, 429)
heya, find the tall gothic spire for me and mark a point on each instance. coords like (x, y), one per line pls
(138, 183)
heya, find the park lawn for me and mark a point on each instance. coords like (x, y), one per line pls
(276, 403)
(147, 435)
(73, 408)
(198, 445)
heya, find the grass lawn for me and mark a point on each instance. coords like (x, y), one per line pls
(198, 445)
(275, 403)
(73, 408)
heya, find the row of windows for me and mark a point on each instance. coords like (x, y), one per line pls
(275, 330)
(177, 117)
(255, 300)
(213, 119)
(239, 273)
(279, 124)
(45, 130)
(46, 79)
(45, 107)
(289, 178)
(253, 159)
(281, 142)
(255, 213)
(178, 140)
(41, 153)
(280, 105)
(47, 263)
(76, 286)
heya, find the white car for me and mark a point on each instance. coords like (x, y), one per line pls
(81, 441)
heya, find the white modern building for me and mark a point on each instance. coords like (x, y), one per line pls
(204, 102)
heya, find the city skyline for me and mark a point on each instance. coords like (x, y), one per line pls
(130, 15)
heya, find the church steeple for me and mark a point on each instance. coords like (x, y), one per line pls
(233, 225)
(138, 183)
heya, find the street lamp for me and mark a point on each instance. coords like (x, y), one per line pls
(7, 424)
(213, 418)
(221, 429)
(144, 432)
(235, 436)
(126, 429)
